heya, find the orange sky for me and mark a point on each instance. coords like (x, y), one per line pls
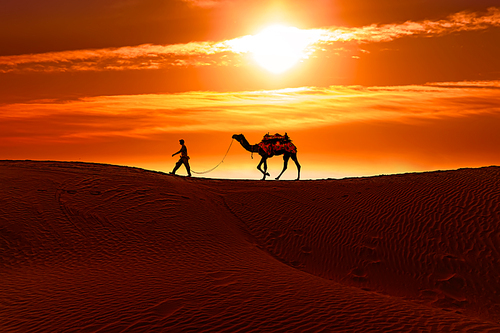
(361, 89)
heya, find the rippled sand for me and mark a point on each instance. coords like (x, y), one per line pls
(100, 248)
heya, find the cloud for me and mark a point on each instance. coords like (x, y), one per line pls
(206, 3)
(145, 56)
(467, 84)
(458, 22)
(229, 52)
(293, 109)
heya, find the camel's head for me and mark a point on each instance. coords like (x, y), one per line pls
(237, 136)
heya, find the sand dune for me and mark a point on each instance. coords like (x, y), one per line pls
(100, 248)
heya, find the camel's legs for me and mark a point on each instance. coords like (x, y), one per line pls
(286, 157)
(264, 172)
(294, 158)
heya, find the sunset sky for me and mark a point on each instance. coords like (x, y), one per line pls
(362, 87)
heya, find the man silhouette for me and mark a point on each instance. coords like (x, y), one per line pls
(184, 159)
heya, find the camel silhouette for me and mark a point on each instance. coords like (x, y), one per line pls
(278, 150)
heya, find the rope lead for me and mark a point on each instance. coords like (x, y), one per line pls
(215, 167)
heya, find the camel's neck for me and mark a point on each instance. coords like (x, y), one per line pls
(244, 143)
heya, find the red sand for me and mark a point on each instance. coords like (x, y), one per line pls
(100, 248)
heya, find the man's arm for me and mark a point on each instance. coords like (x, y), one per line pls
(176, 153)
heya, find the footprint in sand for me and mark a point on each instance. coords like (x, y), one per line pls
(368, 253)
(298, 232)
(358, 275)
(306, 249)
(453, 287)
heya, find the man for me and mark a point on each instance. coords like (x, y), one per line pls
(184, 159)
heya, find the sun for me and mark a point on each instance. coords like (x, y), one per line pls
(277, 48)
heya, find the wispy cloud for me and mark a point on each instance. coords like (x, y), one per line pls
(307, 108)
(463, 21)
(206, 3)
(145, 56)
(467, 84)
(223, 53)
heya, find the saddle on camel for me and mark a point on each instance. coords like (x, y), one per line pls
(276, 144)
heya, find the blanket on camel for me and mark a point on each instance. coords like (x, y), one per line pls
(277, 144)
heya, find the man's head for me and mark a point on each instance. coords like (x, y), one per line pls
(181, 141)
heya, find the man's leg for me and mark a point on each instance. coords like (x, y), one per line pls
(188, 168)
(177, 166)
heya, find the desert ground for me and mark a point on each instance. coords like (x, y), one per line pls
(90, 247)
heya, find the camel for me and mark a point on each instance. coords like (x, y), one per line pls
(257, 149)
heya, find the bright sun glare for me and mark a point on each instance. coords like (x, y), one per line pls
(277, 48)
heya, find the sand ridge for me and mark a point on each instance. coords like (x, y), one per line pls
(99, 248)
